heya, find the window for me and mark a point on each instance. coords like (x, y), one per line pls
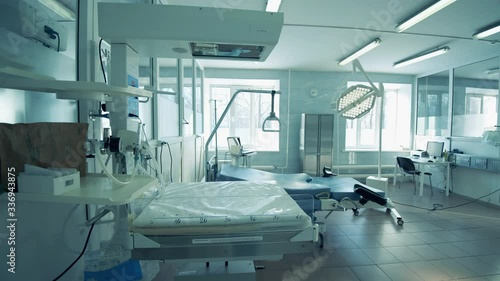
(362, 133)
(246, 115)
(481, 101)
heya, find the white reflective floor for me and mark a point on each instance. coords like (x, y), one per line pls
(455, 244)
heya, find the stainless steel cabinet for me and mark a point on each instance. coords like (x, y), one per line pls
(316, 143)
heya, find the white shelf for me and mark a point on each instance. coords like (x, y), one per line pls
(78, 90)
(96, 189)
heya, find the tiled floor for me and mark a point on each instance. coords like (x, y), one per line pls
(455, 244)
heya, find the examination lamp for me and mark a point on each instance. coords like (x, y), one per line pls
(358, 100)
(271, 123)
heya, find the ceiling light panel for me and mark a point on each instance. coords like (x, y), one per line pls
(434, 8)
(422, 57)
(361, 51)
(487, 32)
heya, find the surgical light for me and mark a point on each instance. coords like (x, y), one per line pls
(358, 100)
(434, 8)
(487, 32)
(273, 5)
(59, 9)
(422, 57)
(361, 52)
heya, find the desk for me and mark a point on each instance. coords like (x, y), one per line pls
(246, 159)
(421, 163)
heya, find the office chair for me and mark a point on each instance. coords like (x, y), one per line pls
(407, 166)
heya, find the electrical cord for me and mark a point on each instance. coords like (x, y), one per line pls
(52, 35)
(440, 207)
(78, 258)
(100, 60)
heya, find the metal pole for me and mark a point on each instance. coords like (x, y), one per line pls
(226, 110)
(216, 142)
(381, 90)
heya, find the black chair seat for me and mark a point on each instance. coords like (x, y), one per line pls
(407, 166)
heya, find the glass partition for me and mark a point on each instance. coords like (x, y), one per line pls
(199, 99)
(168, 105)
(433, 104)
(188, 95)
(475, 98)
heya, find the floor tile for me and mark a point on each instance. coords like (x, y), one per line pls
(428, 271)
(380, 256)
(453, 268)
(478, 266)
(492, 278)
(405, 254)
(365, 241)
(408, 239)
(369, 273)
(427, 252)
(340, 242)
(491, 259)
(354, 257)
(399, 272)
(428, 237)
(450, 250)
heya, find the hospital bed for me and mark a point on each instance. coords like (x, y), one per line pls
(212, 222)
(329, 193)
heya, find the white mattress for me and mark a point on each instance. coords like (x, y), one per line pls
(220, 207)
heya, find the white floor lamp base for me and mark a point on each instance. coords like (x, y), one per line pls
(378, 183)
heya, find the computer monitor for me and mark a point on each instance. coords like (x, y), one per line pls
(435, 149)
(233, 141)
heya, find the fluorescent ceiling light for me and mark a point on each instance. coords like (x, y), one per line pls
(361, 52)
(423, 14)
(487, 32)
(492, 72)
(422, 57)
(273, 6)
(59, 9)
(356, 101)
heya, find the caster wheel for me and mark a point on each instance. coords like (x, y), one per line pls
(401, 222)
(388, 210)
(355, 212)
(321, 241)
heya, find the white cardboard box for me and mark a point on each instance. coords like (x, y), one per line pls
(378, 183)
(47, 184)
